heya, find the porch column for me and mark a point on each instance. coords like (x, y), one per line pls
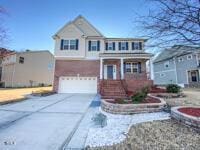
(101, 68)
(122, 68)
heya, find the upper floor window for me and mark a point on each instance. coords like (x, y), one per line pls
(136, 45)
(189, 57)
(180, 59)
(166, 64)
(21, 60)
(69, 44)
(123, 45)
(94, 45)
(110, 46)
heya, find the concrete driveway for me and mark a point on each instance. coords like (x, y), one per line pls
(42, 123)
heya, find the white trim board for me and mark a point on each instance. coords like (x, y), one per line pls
(165, 71)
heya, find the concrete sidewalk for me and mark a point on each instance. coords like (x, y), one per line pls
(43, 123)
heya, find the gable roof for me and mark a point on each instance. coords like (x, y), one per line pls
(79, 27)
(175, 51)
(4, 51)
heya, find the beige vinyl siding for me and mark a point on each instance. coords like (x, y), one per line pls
(35, 68)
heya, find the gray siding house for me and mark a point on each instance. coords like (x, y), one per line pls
(179, 64)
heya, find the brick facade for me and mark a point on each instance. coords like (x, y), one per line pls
(91, 68)
(83, 68)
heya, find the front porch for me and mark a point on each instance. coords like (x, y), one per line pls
(120, 75)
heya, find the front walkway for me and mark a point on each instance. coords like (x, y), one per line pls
(42, 123)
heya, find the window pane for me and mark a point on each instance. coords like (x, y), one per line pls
(110, 46)
(66, 44)
(93, 45)
(123, 45)
(136, 46)
(128, 67)
(72, 44)
(135, 67)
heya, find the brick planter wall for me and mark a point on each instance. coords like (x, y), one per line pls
(184, 118)
(127, 109)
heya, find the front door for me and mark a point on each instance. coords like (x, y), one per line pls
(110, 72)
(194, 76)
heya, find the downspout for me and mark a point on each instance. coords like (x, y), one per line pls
(175, 70)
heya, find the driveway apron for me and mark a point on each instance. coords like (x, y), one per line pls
(42, 123)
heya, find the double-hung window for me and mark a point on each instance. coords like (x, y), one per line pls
(93, 45)
(136, 45)
(72, 44)
(69, 45)
(110, 46)
(132, 67)
(123, 46)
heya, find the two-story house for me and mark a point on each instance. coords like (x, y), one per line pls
(28, 69)
(89, 62)
(178, 64)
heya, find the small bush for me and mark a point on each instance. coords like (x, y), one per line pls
(173, 88)
(41, 84)
(140, 96)
(2, 84)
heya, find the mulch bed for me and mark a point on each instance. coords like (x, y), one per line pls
(157, 90)
(190, 111)
(129, 101)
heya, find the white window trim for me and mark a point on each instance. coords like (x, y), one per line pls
(110, 45)
(180, 59)
(123, 44)
(189, 56)
(137, 47)
(132, 64)
(166, 63)
(69, 44)
(94, 45)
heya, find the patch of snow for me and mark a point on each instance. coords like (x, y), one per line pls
(118, 127)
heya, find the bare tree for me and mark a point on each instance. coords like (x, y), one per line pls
(172, 22)
(3, 31)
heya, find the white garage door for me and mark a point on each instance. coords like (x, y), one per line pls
(77, 85)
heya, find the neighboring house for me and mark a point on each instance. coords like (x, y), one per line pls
(3, 51)
(27, 69)
(179, 65)
(88, 62)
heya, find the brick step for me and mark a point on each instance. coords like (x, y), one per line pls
(113, 90)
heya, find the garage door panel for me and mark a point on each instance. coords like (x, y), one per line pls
(78, 85)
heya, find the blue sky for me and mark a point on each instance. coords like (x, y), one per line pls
(31, 23)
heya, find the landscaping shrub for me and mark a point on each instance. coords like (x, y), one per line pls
(173, 88)
(140, 96)
(2, 84)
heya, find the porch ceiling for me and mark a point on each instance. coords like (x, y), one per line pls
(125, 55)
